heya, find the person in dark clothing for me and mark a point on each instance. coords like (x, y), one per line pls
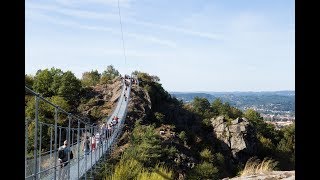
(64, 155)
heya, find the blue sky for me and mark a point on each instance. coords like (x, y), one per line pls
(192, 45)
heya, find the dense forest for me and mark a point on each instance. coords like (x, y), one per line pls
(190, 151)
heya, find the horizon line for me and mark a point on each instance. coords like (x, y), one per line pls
(227, 91)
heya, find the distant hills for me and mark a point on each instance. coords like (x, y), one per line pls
(268, 102)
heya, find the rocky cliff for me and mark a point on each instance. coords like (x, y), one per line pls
(237, 137)
(101, 100)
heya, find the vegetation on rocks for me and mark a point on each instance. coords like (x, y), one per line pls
(186, 148)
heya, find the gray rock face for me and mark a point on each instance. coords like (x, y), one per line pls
(273, 175)
(237, 136)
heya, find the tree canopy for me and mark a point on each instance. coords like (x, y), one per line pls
(109, 74)
(91, 78)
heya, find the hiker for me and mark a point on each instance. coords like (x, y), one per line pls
(93, 143)
(98, 140)
(64, 155)
(86, 146)
(115, 120)
(109, 129)
(103, 131)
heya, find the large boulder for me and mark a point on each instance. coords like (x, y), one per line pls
(237, 136)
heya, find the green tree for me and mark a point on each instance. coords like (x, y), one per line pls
(29, 80)
(235, 113)
(216, 106)
(42, 83)
(45, 111)
(61, 102)
(147, 143)
(109, 74)
(204, 170)
(206, 155)
(286, 148)
(56, 80)
(183, 136)
(70, 87)
(266, 147)
(90, 78)
(127, 169)
(253, 115)
(266, 130)
(201, 105)
(159, 116)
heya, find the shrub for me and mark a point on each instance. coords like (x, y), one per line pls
(255, 166)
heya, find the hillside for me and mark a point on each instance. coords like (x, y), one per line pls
(164, 138)
(179, 137)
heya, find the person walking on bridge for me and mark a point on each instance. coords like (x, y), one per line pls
(103, 131)
(93, 143)
(86, 146)
(65, 155)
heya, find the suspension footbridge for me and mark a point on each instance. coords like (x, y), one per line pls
(45, 165)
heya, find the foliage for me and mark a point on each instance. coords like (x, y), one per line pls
(220, 108)
(70, 87)
(207, 122)
(255, 166)
(131, 169)
(204, 170)
(159, 116)
(266, 147)
(266, 130)
(29, 80)
(142, 160)
(45, 110)
(108, 75)
(201, 105)
(160, 172)
(183, 136)
(55, 82)
(42, 82)
(274, 143)
(91, 78)
(206, 155)
(56, 77)
(127, 169)
(147, 147)
(286, 148)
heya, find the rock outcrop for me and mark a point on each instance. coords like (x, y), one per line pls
(139, 106)
(237, 136)
(273, 175)
(102, 100)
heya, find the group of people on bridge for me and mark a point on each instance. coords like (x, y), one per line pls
(90, 142)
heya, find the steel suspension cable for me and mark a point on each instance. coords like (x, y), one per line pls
(124, 50)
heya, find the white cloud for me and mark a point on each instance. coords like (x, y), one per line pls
(109, 16)
(72, 12)
(143, 37)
